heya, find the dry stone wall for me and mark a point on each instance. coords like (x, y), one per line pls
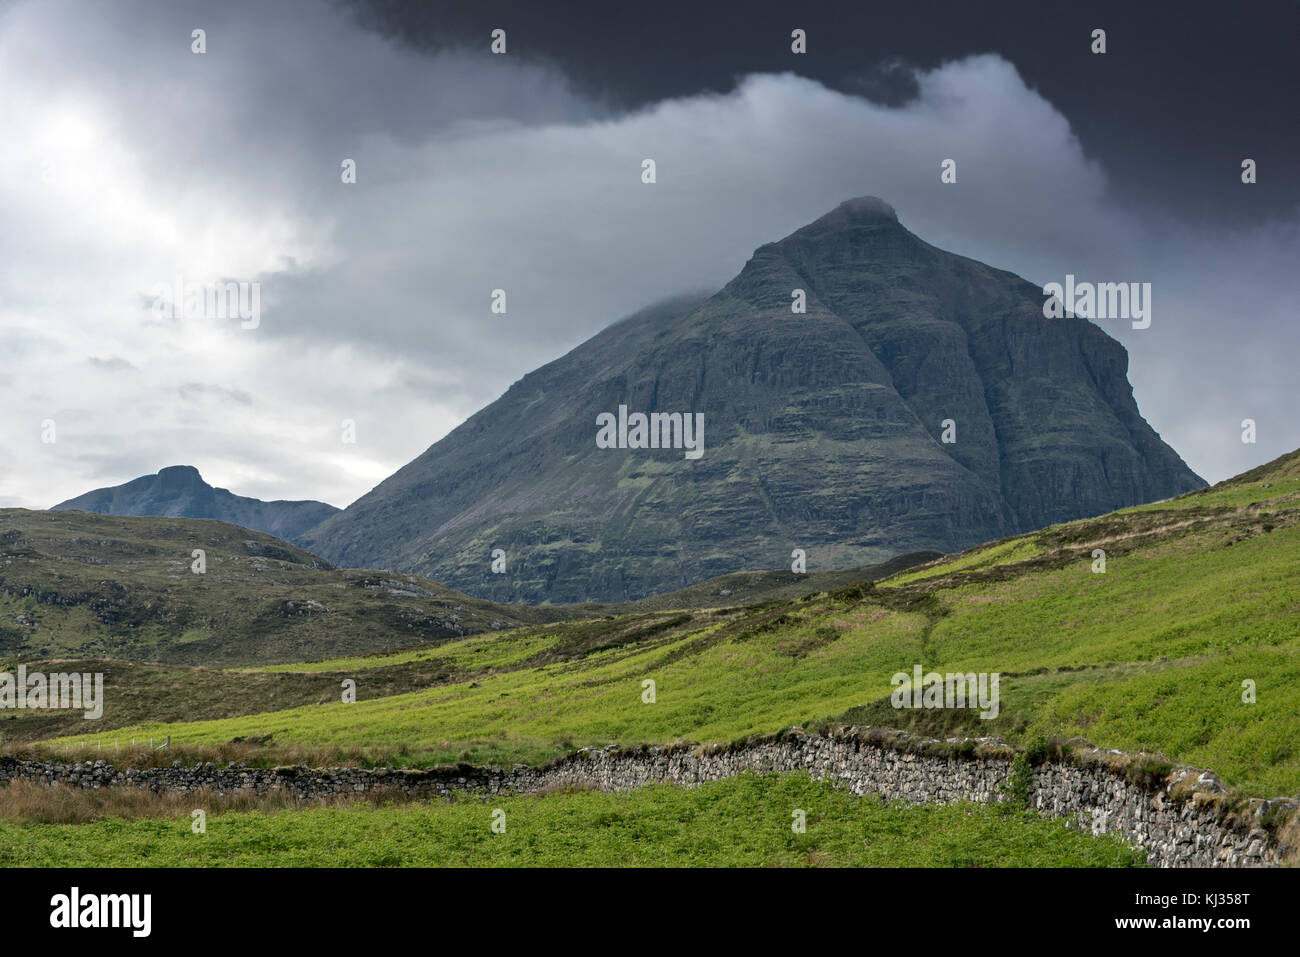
(1176, 820)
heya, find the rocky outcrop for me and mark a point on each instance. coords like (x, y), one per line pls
(823, 430)
(1179, 818)
(180, 492)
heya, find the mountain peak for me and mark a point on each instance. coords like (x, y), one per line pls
(179, 491)
(861, 211)
(866, 216)
(180, 475)
(919, 402)
(864, 208)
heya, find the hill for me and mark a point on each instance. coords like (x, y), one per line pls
(824, 431)
(1186, 645)
(180, 492)
(83, 585)
(78, 584)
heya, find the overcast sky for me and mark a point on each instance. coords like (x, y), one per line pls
(129, 160)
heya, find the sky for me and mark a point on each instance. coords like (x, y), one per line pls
(131, 160)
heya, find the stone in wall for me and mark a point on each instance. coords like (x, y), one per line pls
(1177, 822)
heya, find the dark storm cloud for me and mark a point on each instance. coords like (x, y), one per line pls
(1183, 93)
(522, 172)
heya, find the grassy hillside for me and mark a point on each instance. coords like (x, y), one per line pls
(86, 585)
(1199, 595)
(136, 692)
(742, 821)
(77, 584)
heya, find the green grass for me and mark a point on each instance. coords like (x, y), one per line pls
(536, 713)
(1080, 654)
(985, 556)
(1150, 656)
(739, 822)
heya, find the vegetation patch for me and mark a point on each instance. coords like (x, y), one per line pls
(745, 821)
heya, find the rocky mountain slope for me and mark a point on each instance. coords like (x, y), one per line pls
(822, 431)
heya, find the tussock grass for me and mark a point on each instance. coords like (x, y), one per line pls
(743, 821)
(31, 802)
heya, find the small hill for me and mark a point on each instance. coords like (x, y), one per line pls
(87, 585)
(81, 584)
(180, 492)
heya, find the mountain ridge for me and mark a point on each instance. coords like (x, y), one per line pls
(825, 431)
(179, 491)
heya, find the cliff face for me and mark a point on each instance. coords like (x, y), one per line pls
(822, 431)
(180, 492)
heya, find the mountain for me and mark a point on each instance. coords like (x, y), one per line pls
(822, 431)
(179, 491)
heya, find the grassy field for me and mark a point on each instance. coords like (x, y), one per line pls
(744, 822)
(1198, 596)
